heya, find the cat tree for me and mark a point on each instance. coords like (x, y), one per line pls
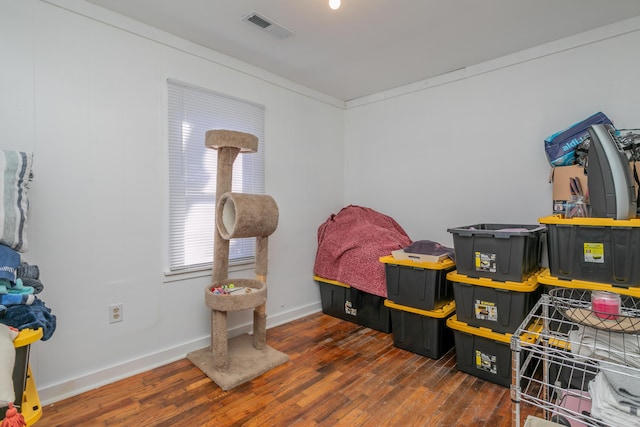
(231, 362)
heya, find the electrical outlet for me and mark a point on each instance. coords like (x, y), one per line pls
(115, 313)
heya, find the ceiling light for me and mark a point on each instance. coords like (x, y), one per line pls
(334, 4)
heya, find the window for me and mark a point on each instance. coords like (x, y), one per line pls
(192, 172)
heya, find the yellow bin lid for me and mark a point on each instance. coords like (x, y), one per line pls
(333, 282)
(445, 263)
(439, 313)
(529, 337)
(594, 222)
(546, 278)
(529, 285)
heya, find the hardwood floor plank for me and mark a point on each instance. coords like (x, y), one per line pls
(339, 374)
(458, 396)
(323, 408)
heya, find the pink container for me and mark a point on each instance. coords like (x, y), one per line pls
(574, 402)
(605, 305)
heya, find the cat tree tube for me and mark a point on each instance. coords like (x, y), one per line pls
(233, 362)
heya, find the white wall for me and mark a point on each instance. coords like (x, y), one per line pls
(467, 148)
(85, 90)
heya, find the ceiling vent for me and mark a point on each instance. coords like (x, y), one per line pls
(267, 24)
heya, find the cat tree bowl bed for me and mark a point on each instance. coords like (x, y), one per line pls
(231, 362)
(250, 294)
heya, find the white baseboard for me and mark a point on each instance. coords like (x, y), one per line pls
(114, 373)
(291, 315)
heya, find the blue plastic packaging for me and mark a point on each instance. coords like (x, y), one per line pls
(560, 147)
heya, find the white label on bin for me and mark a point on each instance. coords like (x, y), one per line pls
(486, 310)
(348, 308)
(486, 262)
(486, 362)
(594, 252)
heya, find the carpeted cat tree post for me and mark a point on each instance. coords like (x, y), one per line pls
(232, 362)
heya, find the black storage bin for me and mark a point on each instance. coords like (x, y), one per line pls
(484, 353)
(565, 372)
(601, 250)
(421, 285)
(422, 332)
(499, 306)
(347, 303)
(503, 252)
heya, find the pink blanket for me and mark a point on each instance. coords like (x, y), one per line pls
(350, 244)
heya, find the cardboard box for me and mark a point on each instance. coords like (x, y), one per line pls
(561, 190)
(635, 166)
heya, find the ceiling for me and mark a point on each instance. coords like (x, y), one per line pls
(369, 46)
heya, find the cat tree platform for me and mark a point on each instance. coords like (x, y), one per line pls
(231, 362)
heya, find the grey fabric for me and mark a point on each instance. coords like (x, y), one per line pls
(27, 271)
(15, 175)
(625, 383)
(604, 345)
(428, 247)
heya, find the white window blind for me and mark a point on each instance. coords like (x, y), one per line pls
(192, 171)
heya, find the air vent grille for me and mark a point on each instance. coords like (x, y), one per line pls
(255, 19)
(267, 24)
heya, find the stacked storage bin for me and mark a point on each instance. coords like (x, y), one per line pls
(362, 308)
(601, 253)
(593, 275)
(495, 286)
(593, 254)
(420, 298)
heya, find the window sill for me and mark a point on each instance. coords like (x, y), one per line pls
(204, 271)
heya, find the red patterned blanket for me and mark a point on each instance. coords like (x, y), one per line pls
(350, 244)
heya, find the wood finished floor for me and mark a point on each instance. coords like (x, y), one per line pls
(339, 374)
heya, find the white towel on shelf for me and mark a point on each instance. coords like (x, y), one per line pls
(605, 345)
(605, 405)
(625, 382)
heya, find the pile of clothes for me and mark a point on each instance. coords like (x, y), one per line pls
(20, 306)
